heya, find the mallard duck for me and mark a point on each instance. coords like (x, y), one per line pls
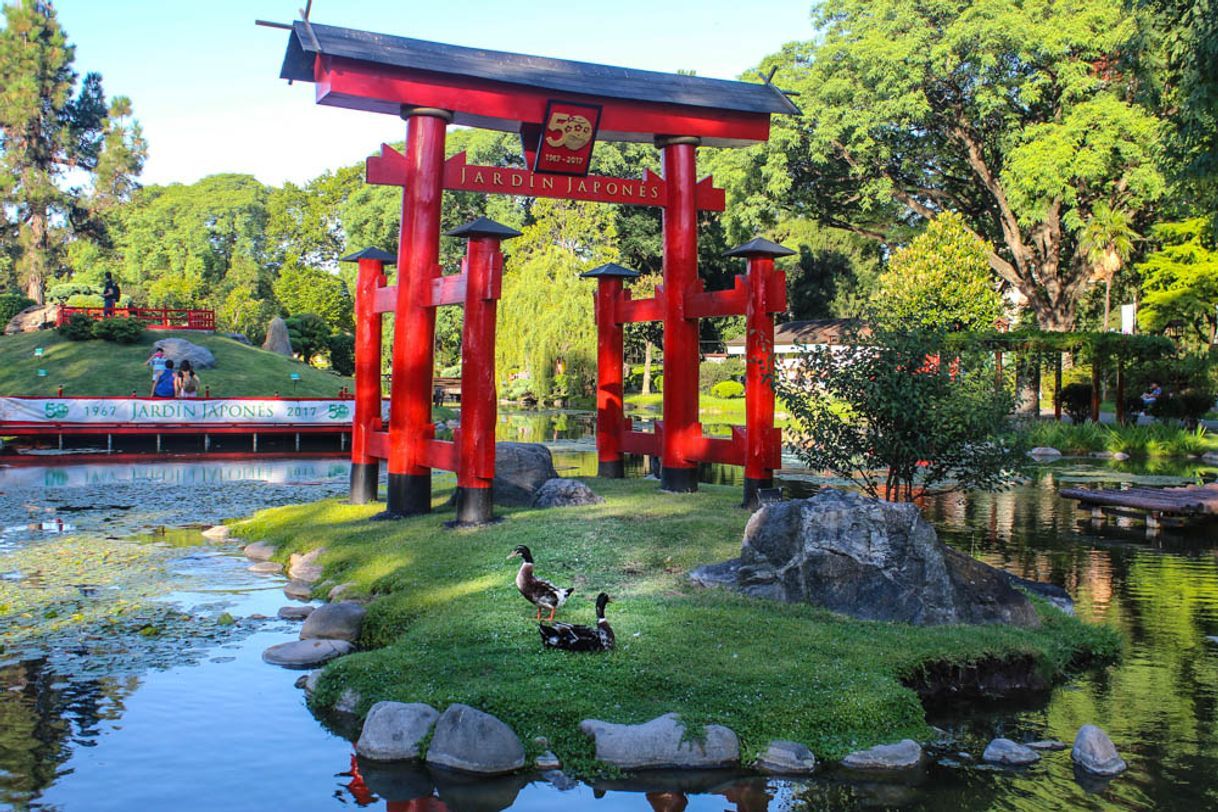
(569, 637)
(538, 591)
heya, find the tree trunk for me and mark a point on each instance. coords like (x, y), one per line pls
(647, 368)
(1095, 390)
(1027, 384)
(1057, 389)
(1107, 302)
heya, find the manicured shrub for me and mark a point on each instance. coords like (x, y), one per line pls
(64, 291)
(1188, 406)
(453, 371)
(11, 304)
(728, 389)
(85, 300)
(657, 383)
(342, 353)
(78, 327)
(120, 331)
(711, 372)
(1075, 399)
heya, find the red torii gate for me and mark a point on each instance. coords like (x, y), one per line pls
(559, 108)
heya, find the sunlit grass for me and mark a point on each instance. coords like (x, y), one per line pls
(447, 625)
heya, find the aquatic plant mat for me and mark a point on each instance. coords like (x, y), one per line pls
(448, 625)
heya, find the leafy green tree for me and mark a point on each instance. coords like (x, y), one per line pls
(834, 273)
(1180, 279)
(43, 131)
(892, 406)
(304, 224)
(120, 158)
(309, 290)
(310, 335)
(1014, 114)
(940, 281)
(1106, 242)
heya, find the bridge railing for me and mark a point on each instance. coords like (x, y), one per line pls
(154, 318)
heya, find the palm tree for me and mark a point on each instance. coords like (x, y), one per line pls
(1106, 242)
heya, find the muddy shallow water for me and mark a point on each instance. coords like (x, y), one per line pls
(156, 697)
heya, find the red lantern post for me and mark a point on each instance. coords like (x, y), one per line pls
(766, 296)
(414, 326)
(475, 439)
(367, 419)
(682, 432)
(610, 410)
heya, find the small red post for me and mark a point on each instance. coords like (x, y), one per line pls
(475, 439)
(610, 411)
(367, 418)
(766, 296)
(682, 431)
(414, 323)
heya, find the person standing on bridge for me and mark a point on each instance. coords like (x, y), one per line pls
(166, 385)
(110, 295)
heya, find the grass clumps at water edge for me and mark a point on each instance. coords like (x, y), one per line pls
(448, 626)
(1139, 442)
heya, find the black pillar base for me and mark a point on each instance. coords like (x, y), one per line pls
(751, 486)
(611, 470)
(406, 495)
(363, 482)
(678, 480)
(474, 506)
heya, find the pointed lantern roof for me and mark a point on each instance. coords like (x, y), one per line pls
(610, 270)
(759, 247)
(372, 253)
(483, 227)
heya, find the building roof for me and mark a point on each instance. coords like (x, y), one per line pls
(558, 75)
(809, 332)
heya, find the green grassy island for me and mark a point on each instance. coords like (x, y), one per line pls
(99, 368)
(447, 625)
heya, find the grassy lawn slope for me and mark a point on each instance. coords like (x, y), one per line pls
(447, 625)
(93, 368)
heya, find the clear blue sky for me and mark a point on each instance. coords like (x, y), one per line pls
(204, 79)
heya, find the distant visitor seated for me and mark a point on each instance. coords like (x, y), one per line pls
(1152, 394)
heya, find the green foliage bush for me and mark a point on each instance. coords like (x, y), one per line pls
(711, 373)
(85, 300)
(309, 334)
(518, 389)
(453, 371)
(1188, 406)
(78, 327)
(118, 330)
(1076, 439)
(11, 304)
(728, 389)
(342, 353)
(1075, 399)
(657, 383)
(65, 290)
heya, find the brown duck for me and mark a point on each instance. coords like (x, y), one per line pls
(538, 591)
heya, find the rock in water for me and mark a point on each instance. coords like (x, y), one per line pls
(304, 566)
(873, 560)
(1005, 751)
(520, 470)
(662, 743)
(1095, 752)
(259, 551)
(469, 740)
(1044, 452)
(564, 493)
(903, 755)
(306, 653)
(219, 532)
(266, 567)
(786, 758)
(334, 621)
(295, 612)
(393, 730)
(298, 590)
(277, 339)
(179, 350)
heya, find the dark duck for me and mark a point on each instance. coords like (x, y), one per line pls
(538, 591)
(569, 637)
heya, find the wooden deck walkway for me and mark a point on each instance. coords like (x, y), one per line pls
(1157, 505)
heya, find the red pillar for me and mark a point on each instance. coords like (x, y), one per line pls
(475, 438)
(414, 324)
(766, 296)
(679, 473)
(610, 411)
(367, 419)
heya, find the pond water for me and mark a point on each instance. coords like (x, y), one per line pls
(163, 701)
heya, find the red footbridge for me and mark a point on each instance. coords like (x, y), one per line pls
(154, 318)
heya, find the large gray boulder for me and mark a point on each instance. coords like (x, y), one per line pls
(662, 743)
(1009, 753)
(31, 320)
(393, 730)
(179, 350)
(277, 339)
(564, 493)
(1094, 752)
(786, 758)
(904, 755)
(306, 653)
(259, 551)
(469, 740)
(520, 470)
(334, 621)
(306, 566)
(873, 560)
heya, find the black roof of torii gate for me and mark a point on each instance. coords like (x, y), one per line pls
(559, 75)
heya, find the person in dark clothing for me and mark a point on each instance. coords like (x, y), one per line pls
(110, 295)
(164, 386)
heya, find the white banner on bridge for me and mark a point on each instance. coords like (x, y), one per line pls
(147, 411)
